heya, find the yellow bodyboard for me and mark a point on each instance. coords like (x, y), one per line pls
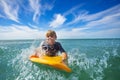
(51, 61)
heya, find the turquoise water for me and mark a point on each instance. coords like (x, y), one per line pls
(90, 59)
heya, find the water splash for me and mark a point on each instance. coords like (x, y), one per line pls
(91, 68)
(27, 70)
(83, 67)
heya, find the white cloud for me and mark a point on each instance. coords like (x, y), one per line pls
(108, 33)
(25, 32)
(79, 29)
(107, 19)
(19, 32)
(111, 21)
(10, 8)
(67, 34)
(84, 16)
(58, 20)
(36, 7)
(72, 10)
(47, 6)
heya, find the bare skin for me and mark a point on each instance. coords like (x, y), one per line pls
(51, 40)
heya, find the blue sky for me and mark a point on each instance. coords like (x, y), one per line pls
(30, 19)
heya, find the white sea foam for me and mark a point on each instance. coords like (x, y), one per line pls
(82, 66)
(93, 67)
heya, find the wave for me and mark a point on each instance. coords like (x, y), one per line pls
(83, 67)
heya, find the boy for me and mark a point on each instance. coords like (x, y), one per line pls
(50, 47)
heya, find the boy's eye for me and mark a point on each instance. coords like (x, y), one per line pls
(50, 36)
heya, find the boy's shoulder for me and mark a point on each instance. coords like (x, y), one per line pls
(58, 43)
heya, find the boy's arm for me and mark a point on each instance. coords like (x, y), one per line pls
(64, 56)
(38, 50)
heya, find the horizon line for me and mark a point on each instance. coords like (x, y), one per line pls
(58, 38)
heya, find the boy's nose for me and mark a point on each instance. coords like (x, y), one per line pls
(50, 38)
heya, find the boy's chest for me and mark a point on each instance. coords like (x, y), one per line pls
(48, 47)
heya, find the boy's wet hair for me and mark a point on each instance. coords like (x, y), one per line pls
(51, 33)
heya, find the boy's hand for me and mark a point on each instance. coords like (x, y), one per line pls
(64, 56)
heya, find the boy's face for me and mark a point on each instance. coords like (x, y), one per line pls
(51, 39)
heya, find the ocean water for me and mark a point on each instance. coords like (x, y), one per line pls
(89, 59)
